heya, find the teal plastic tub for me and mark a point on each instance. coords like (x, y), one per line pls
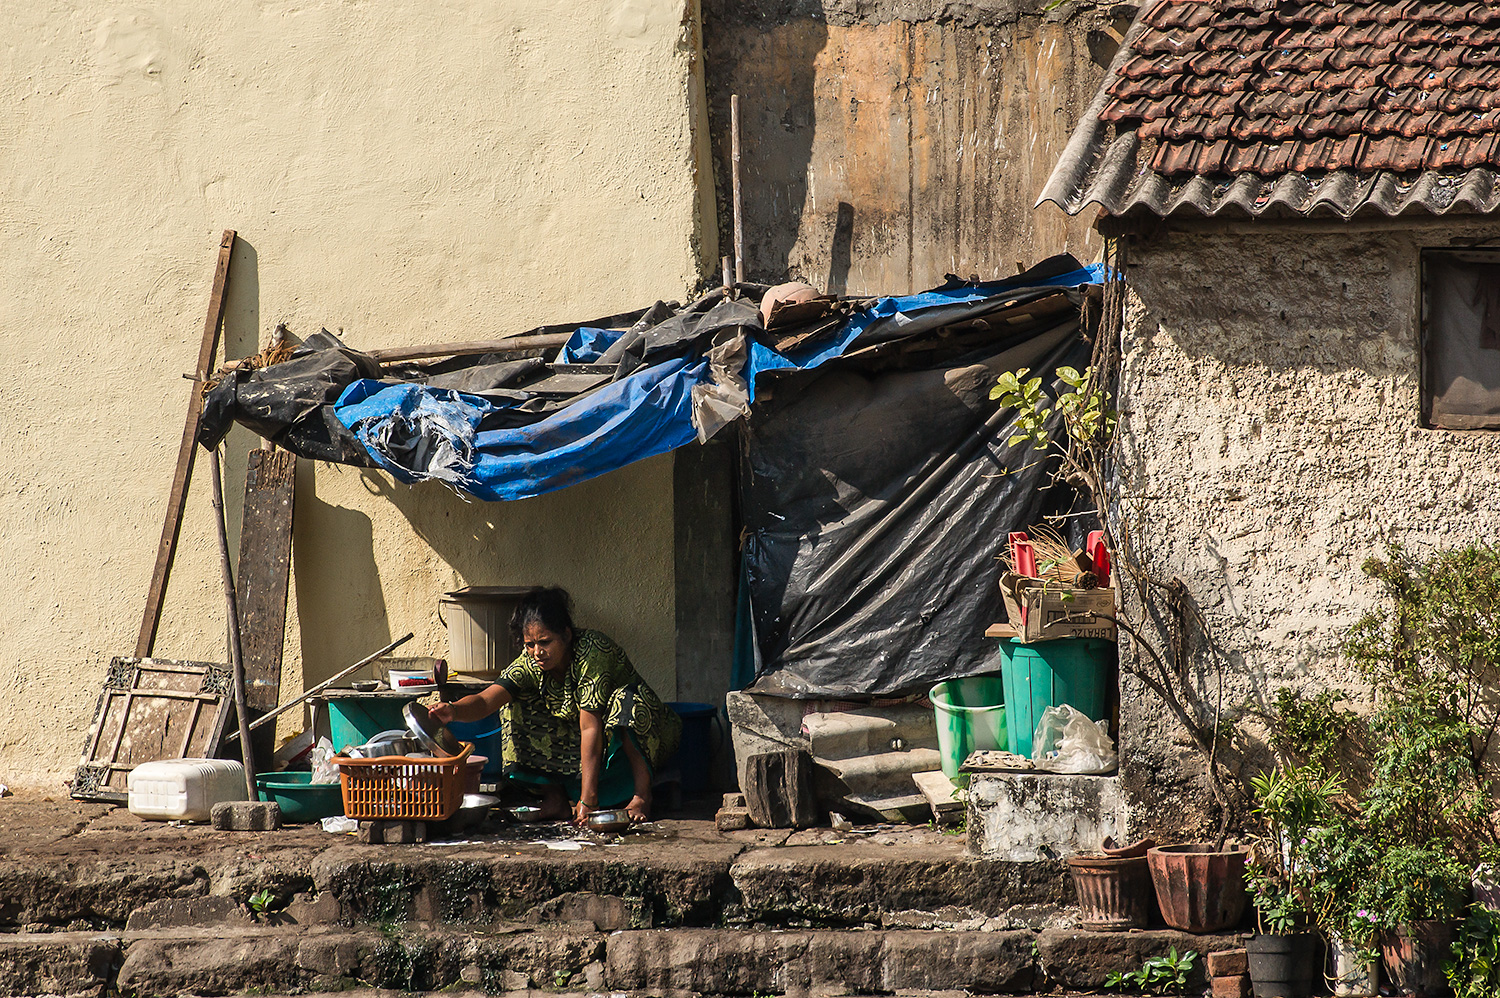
(970, 717)
(1076, 671)
(301, 800)
(354, 720)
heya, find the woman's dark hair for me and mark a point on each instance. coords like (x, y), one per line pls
(549, 606)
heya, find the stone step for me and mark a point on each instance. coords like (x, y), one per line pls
(833, 881)
(572, 956)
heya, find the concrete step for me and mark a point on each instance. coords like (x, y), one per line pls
(817, 878)
(571, 956)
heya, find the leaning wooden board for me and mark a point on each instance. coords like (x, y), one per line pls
(146, 643)
(261, 589)
(151, 709)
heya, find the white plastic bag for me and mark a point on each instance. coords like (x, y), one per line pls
(323, 768)
(1067, 741)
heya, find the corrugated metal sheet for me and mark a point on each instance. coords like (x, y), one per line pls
(1301, 105)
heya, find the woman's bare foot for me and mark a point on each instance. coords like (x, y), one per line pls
(554, 806)
(639, 808)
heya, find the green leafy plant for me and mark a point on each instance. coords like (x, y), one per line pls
(1343, 856)
(1474, 971)
(260, 902)
(1160, 975)
(1418, 883)
(1290, 802)
(1432, 653)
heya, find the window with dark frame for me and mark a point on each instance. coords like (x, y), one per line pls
(1461, 339)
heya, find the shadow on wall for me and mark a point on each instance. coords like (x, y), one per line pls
(340, 605)
(239, 337)
(768, 56)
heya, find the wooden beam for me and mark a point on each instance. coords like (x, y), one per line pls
(172, 524)
(510, 344)
(264, 576)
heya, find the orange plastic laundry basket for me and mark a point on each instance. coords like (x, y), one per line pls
(403, 788)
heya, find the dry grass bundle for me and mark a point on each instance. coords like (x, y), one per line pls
(1055, 560)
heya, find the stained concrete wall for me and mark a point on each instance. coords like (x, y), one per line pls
(405, 172)
(1271, 443)
(887, 144)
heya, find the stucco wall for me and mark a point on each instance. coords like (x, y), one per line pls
(405, 172)
(1271, 443)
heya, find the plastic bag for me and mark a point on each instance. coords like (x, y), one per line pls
(323, 768)
(1067, 741)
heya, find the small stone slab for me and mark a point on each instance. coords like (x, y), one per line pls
(246, 816)
(733, 819)
(734, 800)
(1228, 963)
(392, 832)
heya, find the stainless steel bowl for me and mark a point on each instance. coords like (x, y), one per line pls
(615, 820)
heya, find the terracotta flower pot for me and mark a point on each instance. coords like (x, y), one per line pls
(1413, 956)
(1115, 893)
(1199, 890)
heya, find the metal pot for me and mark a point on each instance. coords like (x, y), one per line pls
(616, 820)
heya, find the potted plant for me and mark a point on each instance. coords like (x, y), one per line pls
(1475, 969)
(1291, 803)
(1420, 892)
(1343, 856)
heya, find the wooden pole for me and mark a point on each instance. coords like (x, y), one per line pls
(739, 222)
(241, 710)
(728, 274)
(146, 643)
(326, 683)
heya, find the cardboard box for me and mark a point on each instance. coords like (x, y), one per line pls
(1052, 612)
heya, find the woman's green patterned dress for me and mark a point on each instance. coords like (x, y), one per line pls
(539, 728)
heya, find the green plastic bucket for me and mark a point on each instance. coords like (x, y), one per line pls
(970, 716)
(1075, 671)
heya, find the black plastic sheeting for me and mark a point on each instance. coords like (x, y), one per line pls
(875, 505)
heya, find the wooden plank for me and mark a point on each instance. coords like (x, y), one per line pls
(186, 451)
(264, 575)
(392, 355)
(150, 709)
(942, 796)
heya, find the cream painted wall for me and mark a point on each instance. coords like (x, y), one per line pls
(404, 172)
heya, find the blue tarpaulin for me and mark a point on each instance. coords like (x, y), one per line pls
(418, 432)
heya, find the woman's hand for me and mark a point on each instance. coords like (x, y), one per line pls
(442, 712)
(581, 812)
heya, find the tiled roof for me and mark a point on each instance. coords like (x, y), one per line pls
(1383, 98)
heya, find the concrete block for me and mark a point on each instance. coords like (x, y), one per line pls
(1237, 986)
(58, 963)
(392, 832)
(246, 816)
(1228, 963)
(723, 961)
(167, 913)
(1029, 817)
(1077, 960)
(734, 800)
(733, 819)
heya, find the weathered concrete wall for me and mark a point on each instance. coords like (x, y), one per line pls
(407, 172)
(888, 144)
(1271, 444)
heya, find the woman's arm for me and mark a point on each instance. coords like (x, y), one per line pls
(590, 762)
(472, 707)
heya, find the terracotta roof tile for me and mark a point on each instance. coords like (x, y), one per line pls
(1271, 85)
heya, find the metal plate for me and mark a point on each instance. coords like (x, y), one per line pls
(436, 737)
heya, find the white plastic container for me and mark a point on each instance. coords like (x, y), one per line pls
(183, 789)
